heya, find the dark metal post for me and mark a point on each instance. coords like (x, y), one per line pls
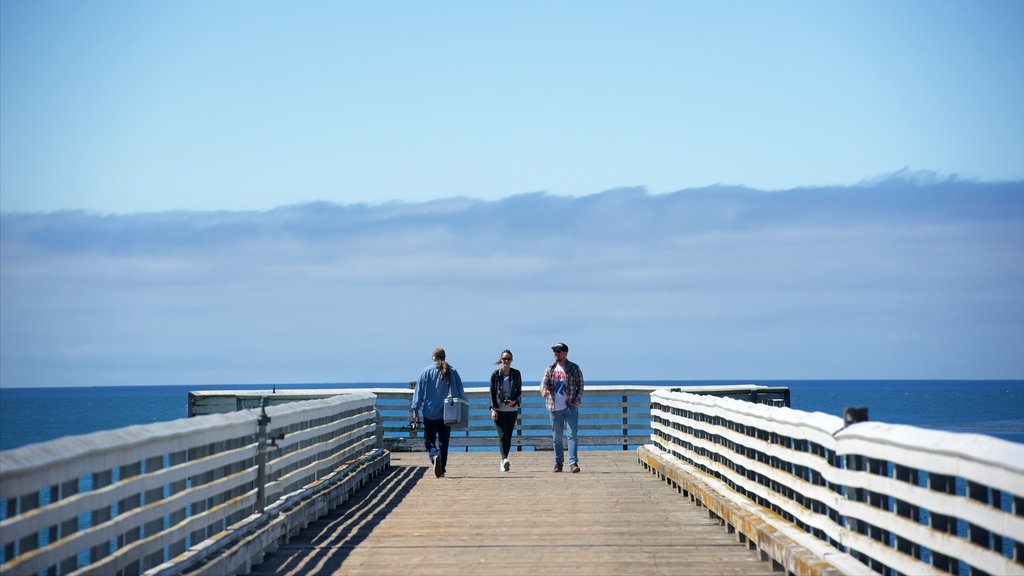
(414, 421)
(625, 422)
(519, 428)
(855, 414)
(261, 456)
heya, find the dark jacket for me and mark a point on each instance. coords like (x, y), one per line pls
(498, 393)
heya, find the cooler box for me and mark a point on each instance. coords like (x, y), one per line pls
(456, 413)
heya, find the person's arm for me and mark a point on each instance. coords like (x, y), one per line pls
(457, 385)
(579, 385)
(545, 383)
(417, 396)
(517, 387)
(495, 377)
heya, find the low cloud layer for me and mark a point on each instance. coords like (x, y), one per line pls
(895, 278)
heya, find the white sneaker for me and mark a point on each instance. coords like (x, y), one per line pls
(506, 465)
(501, 466)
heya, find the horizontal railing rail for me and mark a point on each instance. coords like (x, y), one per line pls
(160, 497)
(611, 416)
(898, 499)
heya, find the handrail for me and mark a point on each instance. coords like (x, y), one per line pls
(896, 498)
(207, 492)
(611, 416)
(139, 498)
(149, 499)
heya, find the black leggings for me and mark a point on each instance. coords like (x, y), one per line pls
(506, 425)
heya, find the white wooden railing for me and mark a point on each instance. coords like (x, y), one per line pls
(166, 497)
(898, 499)
(210, 494)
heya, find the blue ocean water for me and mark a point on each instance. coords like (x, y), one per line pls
(993, 407)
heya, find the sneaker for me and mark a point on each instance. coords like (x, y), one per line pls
(501, 466)
(506, 465)
(437, 468)
(558, 468)
(574, 468)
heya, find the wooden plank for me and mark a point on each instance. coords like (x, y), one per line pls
(612, 518)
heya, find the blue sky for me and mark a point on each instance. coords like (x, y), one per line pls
(127, 106)
(249, 192)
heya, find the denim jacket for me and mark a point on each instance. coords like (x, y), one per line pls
(431, 390)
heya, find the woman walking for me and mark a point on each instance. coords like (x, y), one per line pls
(506, 391)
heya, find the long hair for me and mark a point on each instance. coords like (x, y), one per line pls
(439, 361)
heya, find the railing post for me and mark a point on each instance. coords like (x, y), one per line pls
(261, 456)
(625, 422)
(378, 421)
(853, 415)
(519, 429)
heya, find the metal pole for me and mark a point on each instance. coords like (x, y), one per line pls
(261, 456)
(855, 414)
(625, 422)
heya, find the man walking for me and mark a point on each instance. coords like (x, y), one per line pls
(436, 382)
(562, 389)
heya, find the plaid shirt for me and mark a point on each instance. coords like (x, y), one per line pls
(573, 381)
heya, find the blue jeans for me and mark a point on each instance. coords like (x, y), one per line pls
(561, 420)
(435, 438)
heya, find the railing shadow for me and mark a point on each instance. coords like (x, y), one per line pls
(325, 544)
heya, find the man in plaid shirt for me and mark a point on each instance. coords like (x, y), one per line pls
(562, 389)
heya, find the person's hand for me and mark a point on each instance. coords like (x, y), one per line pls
(494, 414)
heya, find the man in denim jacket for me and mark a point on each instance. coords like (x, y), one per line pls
(435, 383)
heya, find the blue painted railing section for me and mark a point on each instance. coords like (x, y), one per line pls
(611, 417)
(899, 499)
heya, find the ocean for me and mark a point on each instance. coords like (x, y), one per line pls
(992, 407)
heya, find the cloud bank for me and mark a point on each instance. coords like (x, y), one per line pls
(893, 278)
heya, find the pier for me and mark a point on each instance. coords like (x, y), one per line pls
(612, 518)
(725, 480)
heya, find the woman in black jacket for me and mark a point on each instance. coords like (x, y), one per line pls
(506, 391)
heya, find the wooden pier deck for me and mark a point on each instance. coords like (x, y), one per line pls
(614, 517)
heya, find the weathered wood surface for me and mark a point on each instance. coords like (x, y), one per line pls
(614, 517)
